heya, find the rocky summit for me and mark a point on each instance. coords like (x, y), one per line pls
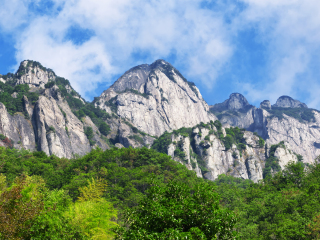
(288, 102)
(156, 98)
(154, 106)
(286, 120)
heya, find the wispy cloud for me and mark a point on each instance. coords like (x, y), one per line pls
(201, 37)
(196, 36)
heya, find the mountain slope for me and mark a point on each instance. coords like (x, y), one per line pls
(287, 120)
(156, 98)
(211, 150)
(41, 111)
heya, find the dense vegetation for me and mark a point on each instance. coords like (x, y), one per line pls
(128, 172)
(16, 104)
(70, 196)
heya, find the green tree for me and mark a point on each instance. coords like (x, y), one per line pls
(179, 212)
(104, 128)
(92, 213)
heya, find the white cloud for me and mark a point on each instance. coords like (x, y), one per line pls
(197, 36)
(291, 30)
(202, 39)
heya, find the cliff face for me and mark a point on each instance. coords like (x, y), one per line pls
(156, 98)
(41, 111)
(206, 153)
(287, 120)
(34, 74)
(57, 120)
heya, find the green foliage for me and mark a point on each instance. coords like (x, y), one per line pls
(162, 143)
(234, 155)
(178, 152)
(283, 206)
(89, 133)
(2, 137)
(49, 84)
(185, 132)
(179, 211)
(14, 105)
(272, 162)
(138, 93)
(104, 128)
(234, 136)
(261, 142)
(51, 129)
(137, 138)
(301, 114)
(134, 129)
(112, 104)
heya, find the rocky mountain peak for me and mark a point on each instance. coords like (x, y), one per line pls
(236, 101)
(289, 102)
(33, 74)
(155, 98)
(137, 76)
(265, 104)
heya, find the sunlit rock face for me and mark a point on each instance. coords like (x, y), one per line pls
(206, 154)
(274, 124)
(34, 75)
(156, 98)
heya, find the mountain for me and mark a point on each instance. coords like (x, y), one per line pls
(155, 98)
(41, 111)
(287, 120)
(153, 105)
(211, 150)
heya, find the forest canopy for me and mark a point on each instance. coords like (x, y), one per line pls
(91, 197)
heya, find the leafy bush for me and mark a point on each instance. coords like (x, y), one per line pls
(2, 137)
(234, 155)
(272, 162)
(49, 84)
(179, 212)
(89, 133)
(104, 128)
(14, 105)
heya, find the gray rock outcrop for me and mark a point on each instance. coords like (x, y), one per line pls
(34, 76)
(156, 98)
(236, 101)
(302, 135)
(265, 104)
(289, 102)
(209, 158)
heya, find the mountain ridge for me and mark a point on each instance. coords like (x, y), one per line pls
(145, 103)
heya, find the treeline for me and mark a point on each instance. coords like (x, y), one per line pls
(142, 194)
(55, 191)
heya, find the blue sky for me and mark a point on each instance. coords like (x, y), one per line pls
(260, 48)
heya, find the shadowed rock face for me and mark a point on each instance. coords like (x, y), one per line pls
(265, 104)
(163, 99)
(288, 102)
(236, 101)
